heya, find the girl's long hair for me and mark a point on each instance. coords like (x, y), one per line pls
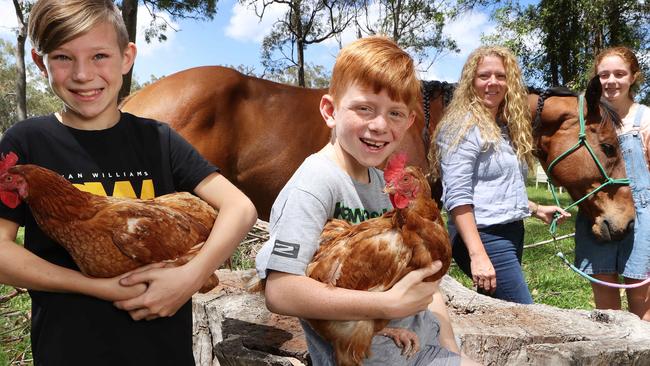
(467, 110)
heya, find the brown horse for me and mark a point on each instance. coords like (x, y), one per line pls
(257, 131)
(556, 131)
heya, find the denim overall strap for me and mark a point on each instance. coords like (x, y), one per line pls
(637, 171)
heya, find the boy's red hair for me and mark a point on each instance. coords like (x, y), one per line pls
(379, 64)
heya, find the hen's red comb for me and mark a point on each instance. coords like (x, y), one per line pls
(7, 161)
(395, 166)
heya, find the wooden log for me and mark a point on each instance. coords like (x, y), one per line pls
(232, 327)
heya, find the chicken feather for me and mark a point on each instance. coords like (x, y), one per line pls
(109, 236)
(375, 254)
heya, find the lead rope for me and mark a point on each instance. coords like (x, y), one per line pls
(582, 140)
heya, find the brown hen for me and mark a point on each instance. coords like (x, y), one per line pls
(109, 236)
(375, 254)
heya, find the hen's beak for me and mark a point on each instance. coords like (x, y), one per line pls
(390, 188)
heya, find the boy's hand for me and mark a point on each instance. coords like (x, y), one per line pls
(411, 294)
(167, 290)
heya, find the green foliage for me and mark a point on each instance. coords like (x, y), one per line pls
(316, 76)
(304, 23)
(15, 346)
(40, 100)
(416, 25)
(195, 9)
(556, 40)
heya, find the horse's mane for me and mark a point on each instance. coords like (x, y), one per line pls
(432, 89)
(561, 91)
(611, 114)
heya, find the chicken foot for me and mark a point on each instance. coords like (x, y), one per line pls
(405, 339)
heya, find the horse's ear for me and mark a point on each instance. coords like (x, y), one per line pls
(592, 96)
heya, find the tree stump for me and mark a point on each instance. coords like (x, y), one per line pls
(232, 327)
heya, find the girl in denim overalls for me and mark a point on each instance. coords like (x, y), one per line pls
(620, 75)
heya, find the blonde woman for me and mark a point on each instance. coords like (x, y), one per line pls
(482, 149)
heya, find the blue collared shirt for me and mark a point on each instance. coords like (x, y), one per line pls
(492, 180)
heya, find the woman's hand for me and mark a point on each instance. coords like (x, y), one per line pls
(547, 213)
(483, 274)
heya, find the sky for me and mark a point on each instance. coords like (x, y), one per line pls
(235, 35)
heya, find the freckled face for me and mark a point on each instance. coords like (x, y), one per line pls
(615, 78)
(490, 82)
(369, 126)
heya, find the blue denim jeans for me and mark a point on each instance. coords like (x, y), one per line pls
(504, 244)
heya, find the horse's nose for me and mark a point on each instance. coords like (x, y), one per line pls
(610, 232)
(606, 230)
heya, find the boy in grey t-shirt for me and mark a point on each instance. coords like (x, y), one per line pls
(371, 104)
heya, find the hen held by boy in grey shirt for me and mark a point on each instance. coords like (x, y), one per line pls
(320, 190)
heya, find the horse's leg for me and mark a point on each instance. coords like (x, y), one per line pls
(606, 297)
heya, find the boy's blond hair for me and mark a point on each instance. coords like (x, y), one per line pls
(379, 64)
(55, 22)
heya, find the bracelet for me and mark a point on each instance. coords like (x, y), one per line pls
(535, 207)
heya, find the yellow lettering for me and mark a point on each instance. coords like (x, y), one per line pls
(92, 187)
(147, 190)
(123, 189)
(120, 189)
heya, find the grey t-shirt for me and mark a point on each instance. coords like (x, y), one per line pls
(320, 190)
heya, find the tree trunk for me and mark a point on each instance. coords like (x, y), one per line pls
(232, 327)
(300, 40)
(130, 16)
(397, 10)
(21, 80)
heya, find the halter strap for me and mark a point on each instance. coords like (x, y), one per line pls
(582, 141)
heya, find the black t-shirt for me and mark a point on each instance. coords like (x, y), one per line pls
(136, 157)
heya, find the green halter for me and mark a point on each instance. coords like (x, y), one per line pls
(582, 140)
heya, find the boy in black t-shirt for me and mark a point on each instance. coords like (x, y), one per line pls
(82, 47)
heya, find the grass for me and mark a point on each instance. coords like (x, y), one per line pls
(551, 282)
(15, 347)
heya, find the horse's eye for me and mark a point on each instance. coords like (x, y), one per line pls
(608, 149)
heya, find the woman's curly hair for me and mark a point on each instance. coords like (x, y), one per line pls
(467, 110)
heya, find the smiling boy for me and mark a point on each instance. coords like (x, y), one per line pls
(82, 47)
(371, 104)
